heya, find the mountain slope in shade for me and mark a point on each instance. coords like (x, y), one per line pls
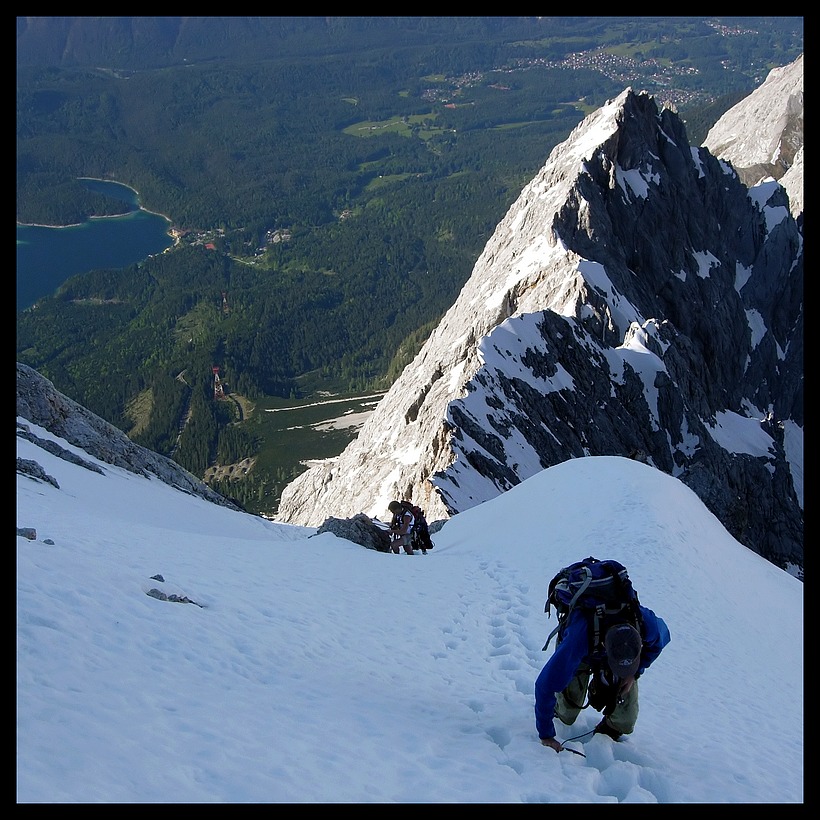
(637, 300)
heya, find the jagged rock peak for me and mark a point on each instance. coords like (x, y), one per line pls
(524, 267)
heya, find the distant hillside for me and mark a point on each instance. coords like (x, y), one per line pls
(150, 42)
(134, 43)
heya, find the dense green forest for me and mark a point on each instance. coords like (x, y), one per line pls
(333, 181)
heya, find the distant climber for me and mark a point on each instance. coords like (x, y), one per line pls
(401, 527)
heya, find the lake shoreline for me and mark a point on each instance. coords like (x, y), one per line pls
(49, 255)
(104, 216)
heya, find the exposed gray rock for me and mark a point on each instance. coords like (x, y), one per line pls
(792, 181)
(360, 530)
(173, 597)
(25, 466)
(24, 431)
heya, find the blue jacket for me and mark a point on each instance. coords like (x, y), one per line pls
(574, 650)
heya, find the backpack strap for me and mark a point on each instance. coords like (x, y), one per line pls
(597, 614)
(551, 636)
(562, 620)
(581, 589)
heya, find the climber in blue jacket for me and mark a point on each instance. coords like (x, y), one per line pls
(609, 675)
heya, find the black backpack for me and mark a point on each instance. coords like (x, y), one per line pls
(420, 532)
(603, 589)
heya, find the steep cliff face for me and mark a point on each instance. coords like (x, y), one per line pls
(40, 403)
(636, 300)
(762, 136)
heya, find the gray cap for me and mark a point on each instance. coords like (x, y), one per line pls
(623, 650)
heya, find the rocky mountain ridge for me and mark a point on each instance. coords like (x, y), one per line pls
(40, 403)
(637, 299)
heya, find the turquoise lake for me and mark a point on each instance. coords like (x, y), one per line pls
(47, 257)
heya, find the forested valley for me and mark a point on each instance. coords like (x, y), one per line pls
(331, 194)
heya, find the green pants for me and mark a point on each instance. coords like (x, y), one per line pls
(402, 541)
(570, 702)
